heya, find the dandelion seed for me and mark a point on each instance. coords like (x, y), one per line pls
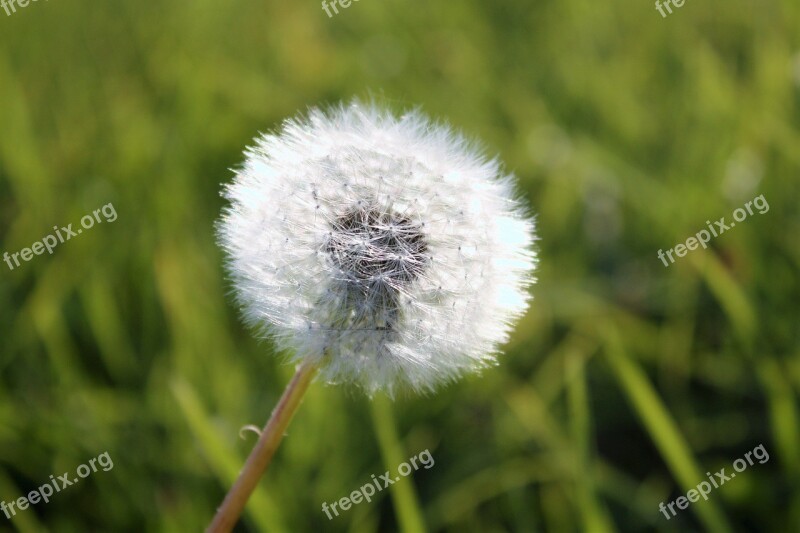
(386, 243)
(378, 250)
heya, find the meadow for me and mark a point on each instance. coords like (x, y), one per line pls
(623, 386)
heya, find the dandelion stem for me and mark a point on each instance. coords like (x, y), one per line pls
(259, 459)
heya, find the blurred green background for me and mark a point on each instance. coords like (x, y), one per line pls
(625, 383)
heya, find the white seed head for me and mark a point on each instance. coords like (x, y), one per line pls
(386, 248)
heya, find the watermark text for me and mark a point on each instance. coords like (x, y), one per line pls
(57, 484)
(60, 236)
(367, 491)
(717, 480)
(702, 237)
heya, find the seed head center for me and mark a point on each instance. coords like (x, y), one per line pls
(377, 248)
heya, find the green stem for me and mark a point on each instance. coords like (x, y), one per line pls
(404, 497)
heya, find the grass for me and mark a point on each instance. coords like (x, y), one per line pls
(623, 385)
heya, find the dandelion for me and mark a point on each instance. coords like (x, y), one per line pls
(380, 251)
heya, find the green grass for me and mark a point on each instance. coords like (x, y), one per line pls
(623, 385)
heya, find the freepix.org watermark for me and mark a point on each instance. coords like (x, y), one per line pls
(719, 227)
(366, 492)
(56, 484)
(717, 480)
(61, 235)
(660, 7)
(8, 5)
(343, 3)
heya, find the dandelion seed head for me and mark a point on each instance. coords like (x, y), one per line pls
(386, 247)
